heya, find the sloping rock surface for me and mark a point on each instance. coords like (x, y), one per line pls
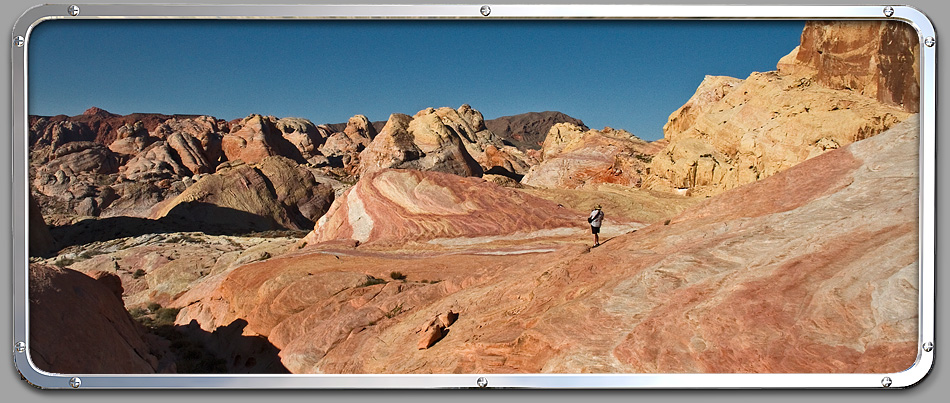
(401, 205)
(811, 270)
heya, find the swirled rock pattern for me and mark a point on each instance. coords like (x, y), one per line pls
(400, 205)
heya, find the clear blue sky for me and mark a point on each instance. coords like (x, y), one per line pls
(623, 74)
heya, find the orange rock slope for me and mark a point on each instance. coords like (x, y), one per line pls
(813, 269)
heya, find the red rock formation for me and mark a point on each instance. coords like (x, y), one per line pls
(878, 59)
(69, 309)
(402, 205)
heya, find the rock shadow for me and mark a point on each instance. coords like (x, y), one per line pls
(224, 350)
(186, 217)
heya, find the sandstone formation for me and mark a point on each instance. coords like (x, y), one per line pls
(274, 194)
(846, 82)
(812, 270)
(395, 206)
(880, 60)
(256, 137)
(69, 309)
(572, 157)
(447, 140)
(343, 148)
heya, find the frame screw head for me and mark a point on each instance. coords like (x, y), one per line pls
(485, 10)
(928, 347)
(886, 382)
(18, 41)
(20, 347)
(888, 11)
(930, 41)
(482, 382)
(75, 382)
(73, 10)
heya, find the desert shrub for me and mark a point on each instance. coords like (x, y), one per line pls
(153, 307)
(397, 275)
(166, 316)
(138, 274)
(395, 311)
(370, 280)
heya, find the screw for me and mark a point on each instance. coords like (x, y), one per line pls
(20, 347)
(930, 41)
(75, 382)
(18, 41)
(73, 10)
(928, 347)
(886, 381)
(485, 10)
(482, 382)
(888, 11)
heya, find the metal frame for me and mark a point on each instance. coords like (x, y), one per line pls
(927, 196)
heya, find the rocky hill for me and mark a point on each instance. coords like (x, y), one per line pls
(528, 130)
(846, 82)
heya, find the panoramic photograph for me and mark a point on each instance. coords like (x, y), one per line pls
(461, 196)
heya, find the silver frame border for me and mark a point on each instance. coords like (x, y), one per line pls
(927, 197)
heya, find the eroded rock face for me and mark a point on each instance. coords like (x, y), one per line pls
(880, 60)
(256, 137)
(812, 270)
(572, 158)
(447, 140)
(846, 82)
(274, 194)
(69, 309)
(763, 125)
(404, 205)
(304, 135)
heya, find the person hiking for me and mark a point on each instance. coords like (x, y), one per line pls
(595, 219)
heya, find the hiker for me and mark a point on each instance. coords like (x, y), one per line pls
(595, 219)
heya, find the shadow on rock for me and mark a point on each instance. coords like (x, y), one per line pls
(225, 350)
(191, 217)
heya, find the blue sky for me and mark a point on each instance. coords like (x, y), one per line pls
(623, 74)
